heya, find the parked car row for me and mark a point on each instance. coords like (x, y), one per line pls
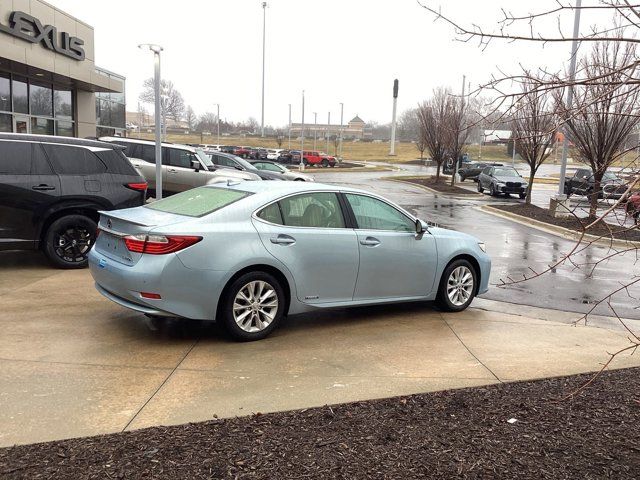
(582, 182)
(309, 158)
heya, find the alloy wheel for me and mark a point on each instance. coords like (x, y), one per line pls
(255, 306)
(73, 244)
(460, 286)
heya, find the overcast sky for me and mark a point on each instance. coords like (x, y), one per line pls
(336, 50)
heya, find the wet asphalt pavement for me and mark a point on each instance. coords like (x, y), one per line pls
(515, 249)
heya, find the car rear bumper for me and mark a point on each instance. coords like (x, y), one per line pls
(184, 292)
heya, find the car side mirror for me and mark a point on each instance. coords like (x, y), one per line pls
(420, 227)
(195, 164)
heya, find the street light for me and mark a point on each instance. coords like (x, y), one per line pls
(315, 128)
(156, 49)
(341, 123)
(289, 126)
(301, 165)
(264, 32)
(218, 120)
(328, 132)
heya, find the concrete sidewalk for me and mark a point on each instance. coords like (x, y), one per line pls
(74, 364)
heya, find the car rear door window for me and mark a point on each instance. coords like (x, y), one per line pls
(180, 158)
(71, 160)
(318, 209)
(374, 214)
(271, 214)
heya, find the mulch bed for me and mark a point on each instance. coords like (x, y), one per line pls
(452, 434)
(572, 223)
(443, 185)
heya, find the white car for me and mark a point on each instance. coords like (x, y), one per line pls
(273, 153)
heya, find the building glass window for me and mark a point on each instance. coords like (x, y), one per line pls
(5, 93)
(111, 108)
(64, 129)
(6, 122)
(41, 100)
(41, 126)
(62, 104)
(20, 96)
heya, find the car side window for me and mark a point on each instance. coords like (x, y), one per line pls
(15, 158)
(68, 160)
(319, 210)
(180, 158)
(148, 154)
(271, 214)
(225, 161)
(374, 214)
(487, 171)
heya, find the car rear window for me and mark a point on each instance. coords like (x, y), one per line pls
(198, 202)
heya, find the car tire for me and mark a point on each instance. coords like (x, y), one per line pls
(242, 287)
(305, 162)
(325, 163)
(480, 189)
(448, 299)
(462, 177)
(68, 240)
(522, 196)
(492, 190)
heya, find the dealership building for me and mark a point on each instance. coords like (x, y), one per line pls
(49, 83)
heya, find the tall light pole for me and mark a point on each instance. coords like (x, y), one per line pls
(572, 76)
(301, 166)
(218, 121)
(392, 147)
(341, 123)
(156, 49)
(264, 33)
(315, 129)
(289, 126)
(328, 132)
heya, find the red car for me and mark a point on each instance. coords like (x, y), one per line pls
(315, 158)
(633, 206)
(242, 152)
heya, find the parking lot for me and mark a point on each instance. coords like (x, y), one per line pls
(74, 364)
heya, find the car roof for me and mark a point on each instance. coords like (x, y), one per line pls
(148, 142)
(83, 142)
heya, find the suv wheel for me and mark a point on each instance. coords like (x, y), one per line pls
(492, 190)
(305, 162)
(480, 189)
(325, 163)
(253, 307)
(68, 240)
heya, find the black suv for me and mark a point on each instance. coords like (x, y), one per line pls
(51, 189)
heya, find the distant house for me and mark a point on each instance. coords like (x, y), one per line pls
(355, 129)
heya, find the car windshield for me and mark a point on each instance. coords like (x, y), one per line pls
(506, 172)
(198, 201)
(609, 176)
(204, 158)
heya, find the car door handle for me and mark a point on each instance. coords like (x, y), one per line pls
(283, 240)
(370, 242)
(43, 186)
(172, 170)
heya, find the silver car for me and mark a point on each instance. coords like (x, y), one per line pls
(249, 253)
(183, 167)
(274, 167)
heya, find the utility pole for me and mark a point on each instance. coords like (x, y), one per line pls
(513, 154)
(455, 160)
(264, 32)
(341, 123)
(301, 166)
(218, 121)
(560, 197)
(392, 147)
(289, 126)
(315, 128)
(328, 132)
(156, 49)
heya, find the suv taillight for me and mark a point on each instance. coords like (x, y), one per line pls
(138, 186)
(159, 244)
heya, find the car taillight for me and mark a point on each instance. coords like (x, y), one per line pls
(159, 244)
(139, 186)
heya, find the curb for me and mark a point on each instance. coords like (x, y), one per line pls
(558, 231)
(470, 196)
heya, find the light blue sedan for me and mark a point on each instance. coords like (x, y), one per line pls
(249, 253)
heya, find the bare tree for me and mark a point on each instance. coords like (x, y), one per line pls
(421, 146)
(432, 120)
(533, 131)
(458, 129)
(207, 122)
(603, 116)
(171, 101)
(409, 125)
(190, 118)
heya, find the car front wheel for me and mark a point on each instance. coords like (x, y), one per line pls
(457, 286)
(253, 306)
(68, 240)
(492, 190)
(480, 189)
(325, 163)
